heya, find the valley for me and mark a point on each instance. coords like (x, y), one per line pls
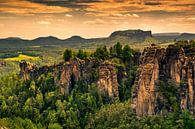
(49, 49)
(64, 86)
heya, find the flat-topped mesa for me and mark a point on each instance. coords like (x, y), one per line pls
(134, 35)
(143, 97)
(67, 73)
(108, 80)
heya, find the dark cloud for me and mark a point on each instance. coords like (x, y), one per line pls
(119, 0)
(66, 3)
(152, 3)
(183, 5)
(161, 12)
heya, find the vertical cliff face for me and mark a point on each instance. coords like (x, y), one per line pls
(108, 80)
(66, 74)
(180, 68)
(148, 74)
(175, 63)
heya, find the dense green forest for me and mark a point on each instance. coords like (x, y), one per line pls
(37, 104)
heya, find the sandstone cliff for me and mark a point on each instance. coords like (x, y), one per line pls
(180, 67)
(148, 74)
(107, 81)
(66, 74)
(177, 63)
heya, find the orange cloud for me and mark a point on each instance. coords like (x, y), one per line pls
(95, 22)
(44, 22)
(135, 6)
(93, 18)
(26, 7)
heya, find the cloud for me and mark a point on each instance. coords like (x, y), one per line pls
(135, 15)
(152, 3)
(98, 8)
(66, 3)
(27, 8)
(68, 15)
(191, 18)
(126, 15)
(1, 25)
(172, 25)
(44, 22)
(188, 5)
(7, 17)
(136, 7)
(95, 22)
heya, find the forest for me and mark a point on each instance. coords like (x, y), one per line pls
(37, 104)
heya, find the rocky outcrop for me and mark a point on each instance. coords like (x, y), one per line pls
(180, 67)
(177, 63)
(108, 80)
(25, 70)
(148, 74)
(66, 74)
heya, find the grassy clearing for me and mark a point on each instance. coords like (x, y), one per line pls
(22, 57)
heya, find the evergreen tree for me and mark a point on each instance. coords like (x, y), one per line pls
(117, 50)
(101, 53)
(67, 55)
(81, 54)
(127, 54)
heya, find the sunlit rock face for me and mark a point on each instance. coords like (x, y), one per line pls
(143, 97)
(180, 67)
(108, 80)
(176, 63)
(66, 74)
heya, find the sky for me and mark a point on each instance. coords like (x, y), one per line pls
(30, 19)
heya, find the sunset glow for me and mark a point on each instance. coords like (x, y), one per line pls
(93, 18)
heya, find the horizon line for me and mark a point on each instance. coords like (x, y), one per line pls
(60, 38)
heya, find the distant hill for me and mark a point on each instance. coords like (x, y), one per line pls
(186, 36)
(125, 37)
(133, 35)
(174, 36)
(166, 36)
(50, 40)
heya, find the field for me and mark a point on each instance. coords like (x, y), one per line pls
(38, 55)
(22, 57)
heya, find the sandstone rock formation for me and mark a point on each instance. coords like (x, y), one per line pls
(68, 73)
(177, 62)
(108, 80)
(144, 93)
(180, 67)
